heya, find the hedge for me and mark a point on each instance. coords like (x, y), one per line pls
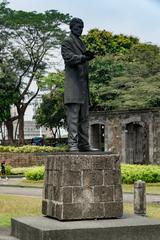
(32, 149)
(147, 173)
(130, 173)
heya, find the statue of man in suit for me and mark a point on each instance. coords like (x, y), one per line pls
(76, 90)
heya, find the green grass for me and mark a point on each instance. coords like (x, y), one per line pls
(22, 182)
(152, 210)
(152, 188)
(17, 206)
(32, 183)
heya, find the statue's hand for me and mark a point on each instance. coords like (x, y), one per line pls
(89, 55)
(83, 59)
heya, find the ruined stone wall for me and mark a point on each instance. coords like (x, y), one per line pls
(156, 138)
(115, 131)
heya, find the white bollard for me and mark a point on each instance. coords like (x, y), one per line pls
(140, 198)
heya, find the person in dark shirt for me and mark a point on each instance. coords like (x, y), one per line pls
(3, 169)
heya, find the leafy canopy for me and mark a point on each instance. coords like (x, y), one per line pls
(102, 42)
(123, 79)
(8, 93)
(27, 44)
(51, 111)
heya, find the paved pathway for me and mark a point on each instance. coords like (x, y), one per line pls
(5, 231)
(128, 197)
(37, 192)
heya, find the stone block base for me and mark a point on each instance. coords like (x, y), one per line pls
(126, 228)
(82, 186)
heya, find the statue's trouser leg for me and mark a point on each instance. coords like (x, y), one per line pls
(83, 134)
(77, 122)
(72, 114)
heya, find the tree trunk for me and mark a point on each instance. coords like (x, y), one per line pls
(54, 133)
(9, 126)
(21, 128)
(16, 130)
(2, 130)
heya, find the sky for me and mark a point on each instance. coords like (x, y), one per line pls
(140, 18)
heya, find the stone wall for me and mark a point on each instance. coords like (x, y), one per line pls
(23, 159)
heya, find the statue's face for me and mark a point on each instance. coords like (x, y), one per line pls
(77, 29)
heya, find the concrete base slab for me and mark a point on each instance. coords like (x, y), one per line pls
(8, 238)
(127, 228)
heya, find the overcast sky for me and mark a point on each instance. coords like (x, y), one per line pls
(140, 18)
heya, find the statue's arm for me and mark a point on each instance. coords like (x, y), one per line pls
(69, 56)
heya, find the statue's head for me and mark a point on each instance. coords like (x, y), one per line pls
(76, 26)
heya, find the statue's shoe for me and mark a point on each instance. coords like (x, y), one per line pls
(88, 149)
(73, 149)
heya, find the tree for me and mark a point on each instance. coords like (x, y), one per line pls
(143, 59)
(7, 92)
(50, 113)
(102, 42)
(8, 96)
(127, 81)
(102, 70)
(30, 39)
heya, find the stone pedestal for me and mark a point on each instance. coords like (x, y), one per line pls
(82, 186)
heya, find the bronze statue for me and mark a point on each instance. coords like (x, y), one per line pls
(76, 90)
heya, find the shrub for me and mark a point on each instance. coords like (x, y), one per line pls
(8, 169)
(130, 173)
(19, 170)
(31, 149)
(147, 173)
(35, 173)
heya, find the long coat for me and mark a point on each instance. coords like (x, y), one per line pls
(76, 73)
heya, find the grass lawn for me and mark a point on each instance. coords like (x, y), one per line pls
(153, 188)
(22, 182)
(26, 183)
(17, 206)
(152, 209)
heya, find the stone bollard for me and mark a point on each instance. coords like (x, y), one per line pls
(140, 198)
